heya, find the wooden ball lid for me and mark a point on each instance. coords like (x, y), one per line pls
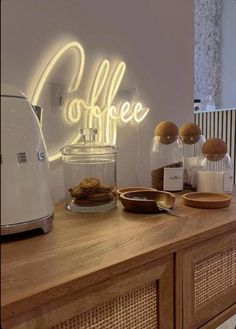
(190, 133)
(166, 128)
(167, 131)
(214, 148)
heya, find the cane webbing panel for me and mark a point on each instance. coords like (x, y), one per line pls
(214, 274)
(137, 309)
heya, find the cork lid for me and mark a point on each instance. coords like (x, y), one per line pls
(190, 133)
(214, 148)
(166, 128)
(167, 131)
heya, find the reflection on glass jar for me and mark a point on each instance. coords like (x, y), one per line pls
(192, 138)
(192, 150)
(89, 174)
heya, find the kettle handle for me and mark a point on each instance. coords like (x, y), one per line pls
(38, 111)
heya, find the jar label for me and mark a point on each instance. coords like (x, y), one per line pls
(173, 179)
(228, 181)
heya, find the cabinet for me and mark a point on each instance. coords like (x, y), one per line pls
(121, 270)
(209, 282)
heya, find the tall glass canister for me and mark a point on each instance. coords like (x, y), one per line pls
(167, 158)
(89, 174)
(215, 172)
(193, 140)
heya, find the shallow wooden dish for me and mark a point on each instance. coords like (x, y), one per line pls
(207, 200)
(145, 201)
(133, 189)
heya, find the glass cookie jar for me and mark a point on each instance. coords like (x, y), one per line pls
(89, 174)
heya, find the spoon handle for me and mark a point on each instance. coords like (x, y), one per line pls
(168, 210)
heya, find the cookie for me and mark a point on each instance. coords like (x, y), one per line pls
(89, 184)
(99, 197)
(83, 202)
(104, 188)
(77, 192)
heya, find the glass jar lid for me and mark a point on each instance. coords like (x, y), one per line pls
(87, 145)
(83, 149)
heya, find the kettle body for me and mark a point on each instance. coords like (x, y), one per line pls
(25, 192)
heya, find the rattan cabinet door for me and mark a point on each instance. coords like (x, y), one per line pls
(209, 280)
(140, 299)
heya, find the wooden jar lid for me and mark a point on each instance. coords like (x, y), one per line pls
(214, 148)
(167, 131)
(190, 133)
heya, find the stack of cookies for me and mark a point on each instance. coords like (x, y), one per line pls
(91, 192)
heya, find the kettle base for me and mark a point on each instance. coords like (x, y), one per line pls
(44, 223)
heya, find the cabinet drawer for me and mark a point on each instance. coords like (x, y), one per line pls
(209, 279)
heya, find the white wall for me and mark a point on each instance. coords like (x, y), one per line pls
(153, 37)
(228, 79)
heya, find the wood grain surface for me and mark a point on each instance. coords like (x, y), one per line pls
(85, 249)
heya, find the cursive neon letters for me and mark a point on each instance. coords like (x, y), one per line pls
(104, 88)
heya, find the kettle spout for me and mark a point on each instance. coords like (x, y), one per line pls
(38, 111)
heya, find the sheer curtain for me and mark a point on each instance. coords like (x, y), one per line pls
(208, 40)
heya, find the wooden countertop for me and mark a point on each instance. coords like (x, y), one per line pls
(84, 249)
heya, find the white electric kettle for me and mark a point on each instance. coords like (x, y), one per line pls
(26, 202)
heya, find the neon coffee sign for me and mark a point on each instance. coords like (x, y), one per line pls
(105, 118)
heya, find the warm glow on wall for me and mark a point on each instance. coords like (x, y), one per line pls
(106, 83)
(74, 85)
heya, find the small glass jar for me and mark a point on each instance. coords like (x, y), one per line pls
(90, 174)
(167, 163)
(215, 174)
(192, 146)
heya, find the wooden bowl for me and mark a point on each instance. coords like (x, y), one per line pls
(145, 201)
(133, 189)
(207, 200)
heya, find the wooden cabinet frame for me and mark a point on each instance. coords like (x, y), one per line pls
(71, 305)
(196, 317)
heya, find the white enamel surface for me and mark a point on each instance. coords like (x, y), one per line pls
(25, 193)
(11, 91)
